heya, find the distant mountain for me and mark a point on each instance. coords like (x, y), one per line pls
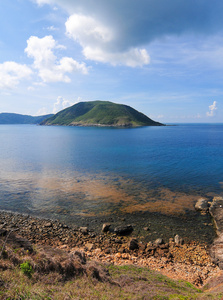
(8, 118)
(100, 113)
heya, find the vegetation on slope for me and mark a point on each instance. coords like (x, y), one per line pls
(30, 271)
(37, 272)
(100, 113)
(10, 118)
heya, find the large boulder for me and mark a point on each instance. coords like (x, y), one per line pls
(123, 230)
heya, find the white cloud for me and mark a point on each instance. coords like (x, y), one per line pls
(111, 31)
(97, 41)
(41, 2)
(11, 73)
(87, 30)
(131, 58)
(52, 28)
(61, 103)
(50, 69)
(42, 111)
(212, 109)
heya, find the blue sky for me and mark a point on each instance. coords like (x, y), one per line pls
(162, 57)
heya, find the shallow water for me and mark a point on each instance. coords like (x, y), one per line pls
(77, 174)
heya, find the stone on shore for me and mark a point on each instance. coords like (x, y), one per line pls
(146, 228)
(178, 240)
(159, 241)
(123, 230)
(89, 246)
(84, 230)
(133, 244)
(106, 227)
(202, 205)
(48, 224)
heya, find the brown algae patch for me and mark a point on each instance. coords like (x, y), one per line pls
(165, 202)
(98, 194)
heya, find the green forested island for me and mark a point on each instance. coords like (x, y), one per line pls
(10, 118)
(100, 113)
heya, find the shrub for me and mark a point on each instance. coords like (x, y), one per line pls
(27, 269)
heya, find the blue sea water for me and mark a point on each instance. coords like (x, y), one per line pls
(65, 172)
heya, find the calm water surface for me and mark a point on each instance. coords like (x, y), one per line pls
(74, 173)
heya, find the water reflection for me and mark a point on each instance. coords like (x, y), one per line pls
(88, 195)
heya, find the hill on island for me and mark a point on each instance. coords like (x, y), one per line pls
(10, 118)
(100, 113)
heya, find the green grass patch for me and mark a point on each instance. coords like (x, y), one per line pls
(27, 269)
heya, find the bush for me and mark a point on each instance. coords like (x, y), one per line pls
(27, 269)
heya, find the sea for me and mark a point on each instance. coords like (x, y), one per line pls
(150, 177)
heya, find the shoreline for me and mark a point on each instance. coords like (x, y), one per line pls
(188, 261)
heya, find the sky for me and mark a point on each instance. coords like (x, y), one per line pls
(162, 57)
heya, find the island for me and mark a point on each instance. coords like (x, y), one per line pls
(12, 118)
(100, 113)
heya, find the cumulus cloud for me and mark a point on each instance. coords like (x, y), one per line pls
(11, 73)
(111, 31)
(50, 69)
(60, 104)
(132, 58)
(212, 109)
(87, 30)
(97, 41)
(42, 111)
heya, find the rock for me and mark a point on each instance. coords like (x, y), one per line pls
(108, 250)
(142, 246)
(146, 228)
(164, 246)
(177, 240)
(105, 227)
(202, 205)
(118, 241)
(93, 235)
(89, 246)
(20, 242)
(123, 230)
(161, 252)
(48, 224)
(216, 211)
(216, 251)
(83, 230)
(159, 242)
(150, 250)
(133, 244)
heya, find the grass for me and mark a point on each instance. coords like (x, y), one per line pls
(43, 274)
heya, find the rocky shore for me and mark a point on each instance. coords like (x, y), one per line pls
(215, 209)
(174, 258)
